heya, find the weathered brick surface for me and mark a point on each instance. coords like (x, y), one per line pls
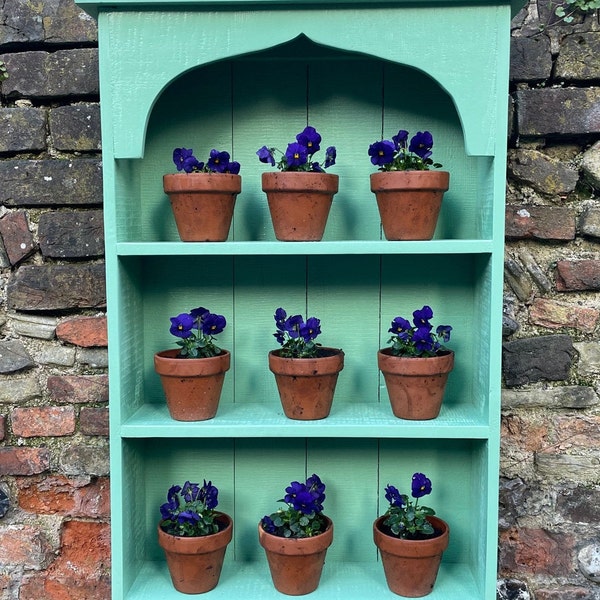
(589, 222)
(14, 357)
(537, 359)
(24, 546)
(16, 237)
(542, 112)
(579, 57)
(573, 275)
(566, 592)
(23, 129)
(542, 172)
(43, 421)
(71, 234)
(19, 390)
(78, 389)
(57, 287)
(84, 331)
(580, 505)
(540, 222)
(536, 551)
(40, 74)
(530, 58)
(93, 421)
(59, 495)
(23, 460)
(75, 127)
(554, 315)
(2, 427)
(57, 182)
(82, 571)
(79, 460)
(50, 22)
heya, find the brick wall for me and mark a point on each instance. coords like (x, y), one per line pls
(550, 464)
(54, 535)
(54, 489)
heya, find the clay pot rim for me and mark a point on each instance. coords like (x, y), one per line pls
(190, 544)
(410, 180)
(296, 546)
(189, 366)
(391, 544)
(299, 181)
(332, 363)
(425, 365)
(186, 182)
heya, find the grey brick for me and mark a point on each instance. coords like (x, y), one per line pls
(39, 74)
(51, 182)
(558, 111)
(75, 127)
(71, 234)
(23, 129)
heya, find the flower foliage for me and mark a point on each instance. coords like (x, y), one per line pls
(299, 154)
(218, 162)
(189, 510)
(398, 154)
(405, 518)
(302, 518)
(296, 336)
(196, 331)
(418, 339)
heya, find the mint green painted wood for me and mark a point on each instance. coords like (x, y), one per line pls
(190, 73)
(351, 29)
(93, 7)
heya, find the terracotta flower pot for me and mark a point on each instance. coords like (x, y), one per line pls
(296, 564)
(306, 385)
(202, 204)
(192, 386)
(409, 202)
(299, 202)
(415, 385)
(411, 566)
(195, 562)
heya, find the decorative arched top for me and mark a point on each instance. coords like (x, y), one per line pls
(173, 42)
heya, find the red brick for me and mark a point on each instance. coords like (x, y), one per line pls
(23, 461)
(554, 315)
(18, 240)
(82, 570)
(93, 421)
(540, 222)
(83, 331)
(76, 389)
(43, 421)
(63, 496)
(536, 551)
(523, 434)
(578, 432)
(23, 545)
(573, 275)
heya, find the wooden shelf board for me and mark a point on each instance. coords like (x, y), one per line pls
(263, 420)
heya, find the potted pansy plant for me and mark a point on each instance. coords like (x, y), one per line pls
(300, 193)
(296, 538)
(306, 373)
(194, 536)
(203, 194)
(416, 366)
(409, 194)
(411, 540)
(192, 375)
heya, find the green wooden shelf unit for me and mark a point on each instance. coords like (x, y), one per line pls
(239, 74)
